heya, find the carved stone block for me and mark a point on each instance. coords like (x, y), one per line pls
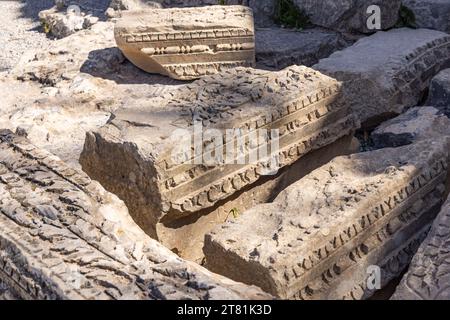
(187, 43)
(62, 236)
(324, 236)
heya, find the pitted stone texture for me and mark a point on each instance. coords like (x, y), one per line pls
(187, 43)
(418, 123)
(439, 94)
(263, 10)
(430, 14)
(62, 236)
(134, 4)
(320, 235)
(278, 48)
(135, 155)
(388, 71)
(428, 277)
(349, 15)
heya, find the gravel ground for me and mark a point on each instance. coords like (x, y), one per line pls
(19, 30)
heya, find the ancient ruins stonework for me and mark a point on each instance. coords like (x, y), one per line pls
(349, 15)
(320, 236)
(418, 123)
(187, 43)
(439, 94)
(430, 14)
(278, 48)
(62, 236)
(389, 71)
(428, 277)
(135, 155)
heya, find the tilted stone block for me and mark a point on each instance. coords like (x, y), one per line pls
(136, 154)
(418, 123)
(388, 71)
(62, 236)
(320, 237)
(439, 94)
(430, 14)
(428, 277)
(349, 15)
(187, 43)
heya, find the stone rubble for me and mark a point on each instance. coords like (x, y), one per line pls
(430, 14)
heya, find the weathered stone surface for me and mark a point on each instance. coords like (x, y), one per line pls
(187, 43)
(418, 123)
(388, 71)
(278, 48)
(349, 15)
(263, 10)
(135, 155)
(62, 236)
(64, 23)
(320, 235)
(430, 14)
(439, 94)
(134, 4)
(428, 277)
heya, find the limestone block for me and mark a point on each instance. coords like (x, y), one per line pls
(430, 14)
(428, 277)
(349, 15)
(187, 43)
(388, 71)
(439, 94)
(322, 235)
(136, 155)
(278, 48)
(418, 123)
(62, 236)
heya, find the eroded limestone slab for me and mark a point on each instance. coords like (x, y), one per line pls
(349, 15)
(439, 94)
(418, 123)
(136, 154)
(62, 236)
(320, 235)
(278, 48)
(428, 277)
(187, 43)
(388, 71)
(430, 14)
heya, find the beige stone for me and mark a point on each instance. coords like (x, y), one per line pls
(134, 155)
(320, 236)
(187, 43)
(62, 236)
(428, 277)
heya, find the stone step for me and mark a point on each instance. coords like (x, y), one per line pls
(388, 71)
(428, 275)
(62, 236)
(321, 236)
(187, 43)
(145, 156)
